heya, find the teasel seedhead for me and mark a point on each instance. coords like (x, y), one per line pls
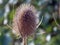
(24, 21)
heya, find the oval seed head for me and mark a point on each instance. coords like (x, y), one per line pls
(24, 21)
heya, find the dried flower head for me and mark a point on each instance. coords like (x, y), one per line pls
(24, 21)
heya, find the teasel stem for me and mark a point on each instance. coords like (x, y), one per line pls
(25, 41)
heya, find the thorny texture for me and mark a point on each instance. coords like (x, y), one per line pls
(24, 21)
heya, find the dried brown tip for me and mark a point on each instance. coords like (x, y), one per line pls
(24, 21)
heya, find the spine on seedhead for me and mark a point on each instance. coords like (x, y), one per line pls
(24, 21)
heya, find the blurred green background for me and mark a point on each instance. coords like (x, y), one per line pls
(49, 9)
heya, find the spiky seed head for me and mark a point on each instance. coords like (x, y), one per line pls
(24, 21)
